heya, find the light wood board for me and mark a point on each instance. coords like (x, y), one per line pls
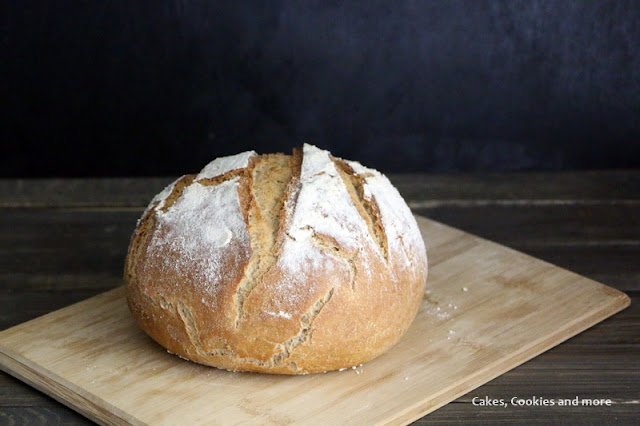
(488, 309)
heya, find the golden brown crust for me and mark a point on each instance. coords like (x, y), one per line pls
(262, 280)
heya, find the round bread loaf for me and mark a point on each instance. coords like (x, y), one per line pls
(287, 264)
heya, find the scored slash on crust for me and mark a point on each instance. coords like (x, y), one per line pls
(331, 247)
(282, 350)
(265, 223)
(366, 206)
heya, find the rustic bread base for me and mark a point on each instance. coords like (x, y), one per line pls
(277, 264)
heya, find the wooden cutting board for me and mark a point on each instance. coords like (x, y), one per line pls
(487, 310)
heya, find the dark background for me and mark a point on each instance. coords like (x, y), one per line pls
(107, 88)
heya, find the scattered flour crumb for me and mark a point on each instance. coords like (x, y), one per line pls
(281, 314)
(357, 369)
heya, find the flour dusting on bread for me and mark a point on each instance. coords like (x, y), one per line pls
(196, 236)
(222, 165)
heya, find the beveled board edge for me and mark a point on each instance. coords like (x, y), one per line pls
(94, 408)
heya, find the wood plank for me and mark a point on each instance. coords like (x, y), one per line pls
(557, 225)
(46, 249)
(96, 192)
(518, 187)
(565, 225)
(79, 248)
(541, 226)
(61, 280)
(576, 186)
(505, 292)
(51, 415)
(34, 304)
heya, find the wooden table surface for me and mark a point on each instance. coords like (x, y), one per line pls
(63, 241)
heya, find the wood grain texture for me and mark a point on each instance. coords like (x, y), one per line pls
(420, 190)
(488, 309)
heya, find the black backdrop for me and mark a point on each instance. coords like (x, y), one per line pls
(99, 88)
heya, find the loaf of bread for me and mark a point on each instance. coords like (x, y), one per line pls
(286, 264)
